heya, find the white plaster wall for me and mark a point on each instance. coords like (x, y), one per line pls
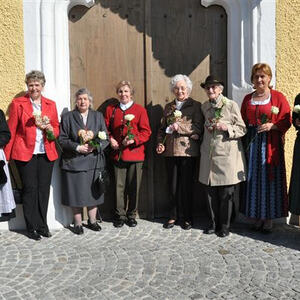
(251, 39)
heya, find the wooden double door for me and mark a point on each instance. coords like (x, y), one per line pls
(147, 42)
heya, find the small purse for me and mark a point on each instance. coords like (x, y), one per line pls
(103, 180)
(3, 177)
(102, 175)
(15, 182)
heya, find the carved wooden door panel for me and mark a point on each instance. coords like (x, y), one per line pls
(106, 48)
(147, 42)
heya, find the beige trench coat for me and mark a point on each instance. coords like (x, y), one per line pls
(222, 157)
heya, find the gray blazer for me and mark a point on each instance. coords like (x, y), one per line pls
(71, 123)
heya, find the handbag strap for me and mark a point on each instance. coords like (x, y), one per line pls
(112, 118)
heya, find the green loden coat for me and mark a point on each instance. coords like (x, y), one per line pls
(222, 157)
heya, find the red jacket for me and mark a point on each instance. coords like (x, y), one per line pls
(282, 120)
(23, 129)
(117, 129)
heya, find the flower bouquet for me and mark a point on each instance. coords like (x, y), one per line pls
(211, 123)
(128, 125)
(263, 118)
(41, 122)
(87, 137)
(130, 136)
(173, 118)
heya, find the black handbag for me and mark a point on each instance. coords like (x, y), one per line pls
(3, 177)
(15, 182)
(103, 180)
(102, 176)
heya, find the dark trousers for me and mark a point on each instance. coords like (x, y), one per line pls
(36, 178)
(180, 173)
(220, 204)
(128, 177)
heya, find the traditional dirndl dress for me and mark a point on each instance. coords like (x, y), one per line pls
(7, 202)
(265, 191)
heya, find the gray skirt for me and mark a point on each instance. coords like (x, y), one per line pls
(80, 189)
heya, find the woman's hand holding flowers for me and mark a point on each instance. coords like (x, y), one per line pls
(160, 148)
(114, 144)
(266, 127)
(48, 127)
(85, 148)
(127, 141)
(174, 127)
(221, 126)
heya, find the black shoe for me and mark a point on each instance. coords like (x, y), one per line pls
(34, 235)
(267, 227)
(257, 226)
(186, 225)
(266, 231)
(44, 233)
(169, 225)
(223, 233)
(94, 226)
(131, 222)
(78, 229)
(119, 223)
(209, 230)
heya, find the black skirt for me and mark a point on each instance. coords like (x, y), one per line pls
(294, 191)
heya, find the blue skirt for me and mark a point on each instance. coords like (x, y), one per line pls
(264, 196)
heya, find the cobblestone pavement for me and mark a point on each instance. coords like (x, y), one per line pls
(149, 262)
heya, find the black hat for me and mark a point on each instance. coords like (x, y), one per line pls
(211, 80)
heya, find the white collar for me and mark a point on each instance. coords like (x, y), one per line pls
(179, 104)
(32, 102)
(126, 106)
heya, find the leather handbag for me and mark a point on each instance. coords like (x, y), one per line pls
(3, 177)
(15, 182)
(103, 180)
(102, 175)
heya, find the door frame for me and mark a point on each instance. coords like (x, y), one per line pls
(46, 38)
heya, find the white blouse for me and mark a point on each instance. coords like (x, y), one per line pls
(258, 102)
(39, 147)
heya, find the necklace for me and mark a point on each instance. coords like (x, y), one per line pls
(260, 95)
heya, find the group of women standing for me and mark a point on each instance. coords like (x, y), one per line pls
(31, 137)
(235, 146)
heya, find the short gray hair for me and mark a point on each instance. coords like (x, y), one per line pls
(84, 91)
(180, 77)
(35, 75)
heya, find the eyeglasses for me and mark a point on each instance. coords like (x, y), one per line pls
(211, 87)
(181, 88)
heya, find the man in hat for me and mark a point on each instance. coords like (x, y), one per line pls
(222, 163)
